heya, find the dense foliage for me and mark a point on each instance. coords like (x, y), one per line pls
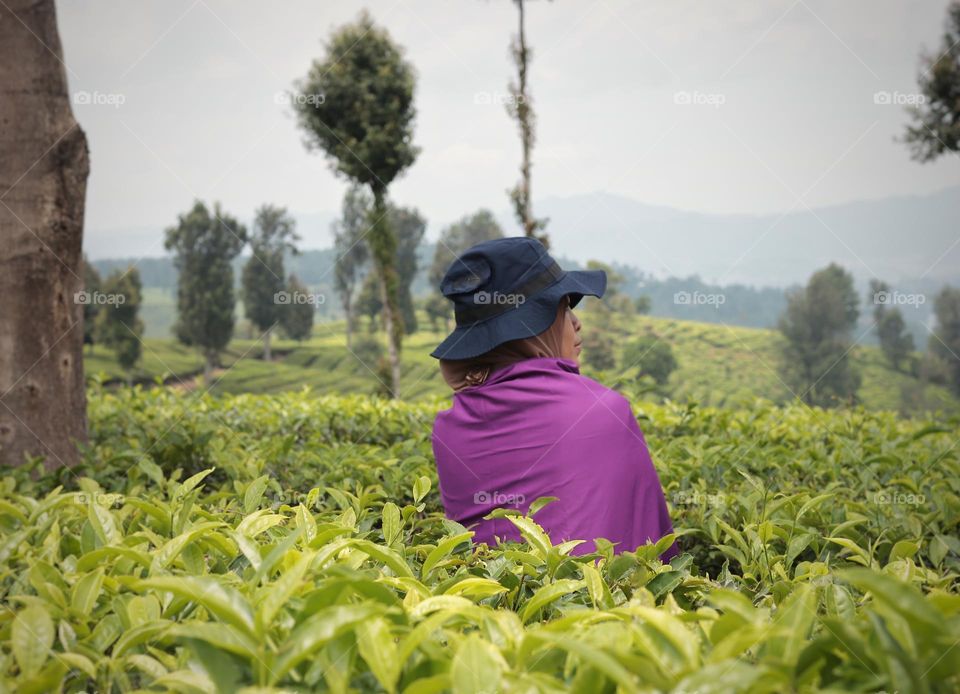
(204, 246)
(296, 542)
(117, 324)
(817, 327)
(356, 104)
(262, 279)
(935, 129)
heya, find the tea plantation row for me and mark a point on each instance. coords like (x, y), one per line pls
(297, 543)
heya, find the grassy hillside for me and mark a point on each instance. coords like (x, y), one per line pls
(731, 365)
(718, 365)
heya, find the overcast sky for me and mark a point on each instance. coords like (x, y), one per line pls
(783, 108)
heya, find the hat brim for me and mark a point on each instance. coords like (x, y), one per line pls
(530, 318)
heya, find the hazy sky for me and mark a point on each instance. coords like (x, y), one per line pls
(783, 110)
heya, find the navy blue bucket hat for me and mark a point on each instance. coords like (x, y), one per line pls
(508, 289)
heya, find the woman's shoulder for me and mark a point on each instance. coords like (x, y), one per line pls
(546, 392)
(562, 379)
(612, 400)
(541, 380)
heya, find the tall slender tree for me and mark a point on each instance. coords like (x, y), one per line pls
(296, 317)
(43, 179)
(263, 284)
(351, 252)
(205, 245)
(520, 108)
(945, 341)
(357, 106)
(817, 326)
(895, 342)
(936, 131)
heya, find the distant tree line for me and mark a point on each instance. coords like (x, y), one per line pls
(744, 305)
(205, 244)
(819, 327)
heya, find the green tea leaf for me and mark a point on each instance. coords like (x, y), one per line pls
(533, 534)
(315, 632)
(442, 550)
(103, 523)
(548, 594)
(477, 667)
(280, 591)
(392, 525)
(377, 647)
(31, 638)
(220, 600)
(86, 592)
(421, 488)
(539, 503)
(254, 493)
(476, 587)
(597, 587)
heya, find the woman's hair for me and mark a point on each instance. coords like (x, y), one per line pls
(462, 373)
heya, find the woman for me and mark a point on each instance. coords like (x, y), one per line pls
(524, 422)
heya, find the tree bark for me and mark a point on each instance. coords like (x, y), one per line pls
(43, 173)
(266, 344)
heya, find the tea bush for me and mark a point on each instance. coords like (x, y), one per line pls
(297, 543)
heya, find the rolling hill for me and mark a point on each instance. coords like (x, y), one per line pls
(718, 365)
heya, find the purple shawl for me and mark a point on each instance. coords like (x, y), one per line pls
(539, 428)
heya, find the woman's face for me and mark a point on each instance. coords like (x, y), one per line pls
(571, 341)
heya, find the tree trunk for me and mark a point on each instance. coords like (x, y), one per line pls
(522, 109)
(523, 115)
(391, 327)
(383, 243)
(266, 344)
(348, 310)
(43, 177)
(208, 366)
